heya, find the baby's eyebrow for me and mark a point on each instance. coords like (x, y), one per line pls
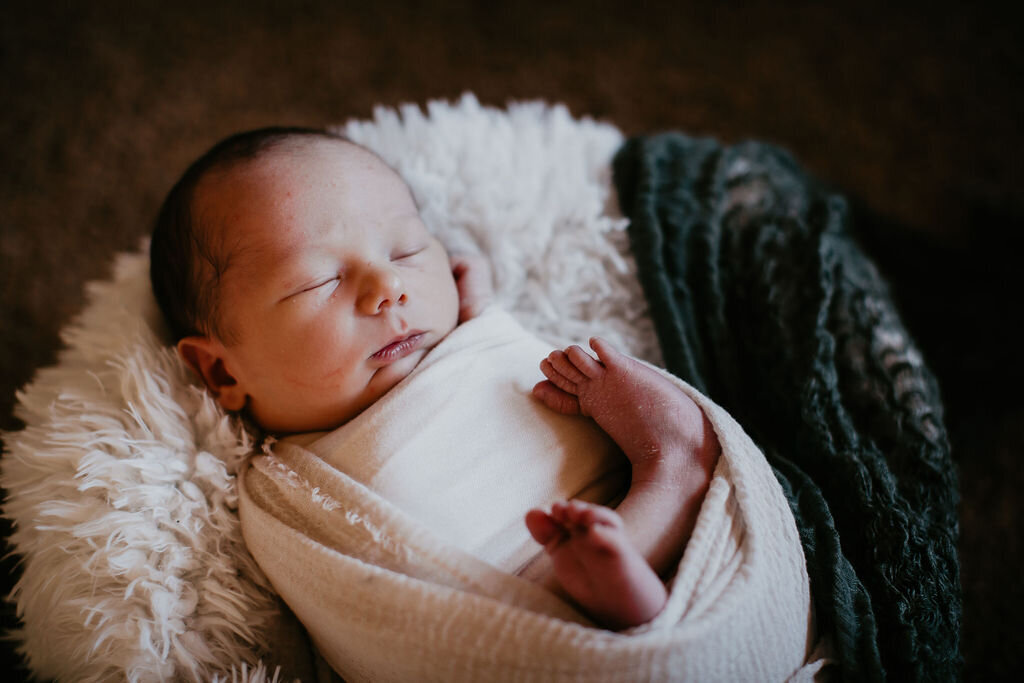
(251, 264)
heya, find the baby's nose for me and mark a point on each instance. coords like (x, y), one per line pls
(382, 289)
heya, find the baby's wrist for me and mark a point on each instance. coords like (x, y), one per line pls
(667, 474)
(685, 460)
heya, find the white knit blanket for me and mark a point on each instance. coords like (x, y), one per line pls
(373, 536)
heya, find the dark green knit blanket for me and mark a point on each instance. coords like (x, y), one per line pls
(762, 300)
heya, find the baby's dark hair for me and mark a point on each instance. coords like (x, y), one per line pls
(185, 266)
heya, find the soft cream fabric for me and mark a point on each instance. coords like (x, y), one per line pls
(388, 594)
(464, 449)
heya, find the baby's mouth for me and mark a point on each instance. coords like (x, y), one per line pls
(399, 347)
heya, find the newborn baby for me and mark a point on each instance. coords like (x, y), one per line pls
(301, 285)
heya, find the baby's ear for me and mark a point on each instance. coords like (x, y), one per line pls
(206, 357)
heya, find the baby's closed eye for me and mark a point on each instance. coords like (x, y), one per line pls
(320, 284)
(406, 253)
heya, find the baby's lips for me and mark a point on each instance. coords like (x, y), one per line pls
(399, 347)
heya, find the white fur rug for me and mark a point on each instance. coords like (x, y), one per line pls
(122, 488)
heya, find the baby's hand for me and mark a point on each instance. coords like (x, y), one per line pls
(473, 279)
(658, 426)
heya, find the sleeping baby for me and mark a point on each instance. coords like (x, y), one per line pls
(301, 285)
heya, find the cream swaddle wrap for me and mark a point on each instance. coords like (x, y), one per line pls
(464, 449)
(395, 538)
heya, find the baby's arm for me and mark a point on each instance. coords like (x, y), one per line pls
(473, 280)
(669, 441)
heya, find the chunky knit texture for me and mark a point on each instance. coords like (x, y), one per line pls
(762, 300)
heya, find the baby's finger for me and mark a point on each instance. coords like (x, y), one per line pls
(542, 527)
(470, 308)
(557, 377)
(602, 538)
(562, 365)
(556, 399)
(557, 514)
(585, 514)
(605, 351)
(583, 361)
(473, 281)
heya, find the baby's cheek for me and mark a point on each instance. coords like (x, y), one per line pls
(316, 347)
(304, 358)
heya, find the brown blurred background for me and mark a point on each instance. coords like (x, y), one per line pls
(916, 112)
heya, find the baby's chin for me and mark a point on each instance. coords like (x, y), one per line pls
(383, 381)
(332, 414)
(388, 377)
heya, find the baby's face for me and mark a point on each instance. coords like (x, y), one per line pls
(335, 289)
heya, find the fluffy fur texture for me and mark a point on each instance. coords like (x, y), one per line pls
(122, 487)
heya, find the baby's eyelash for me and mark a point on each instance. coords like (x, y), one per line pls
(408, 253)
(320, 284)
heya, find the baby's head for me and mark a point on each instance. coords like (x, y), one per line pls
(297, 277)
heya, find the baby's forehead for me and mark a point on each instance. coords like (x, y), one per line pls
(240, 206)
(271, 164)
(291, 164)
